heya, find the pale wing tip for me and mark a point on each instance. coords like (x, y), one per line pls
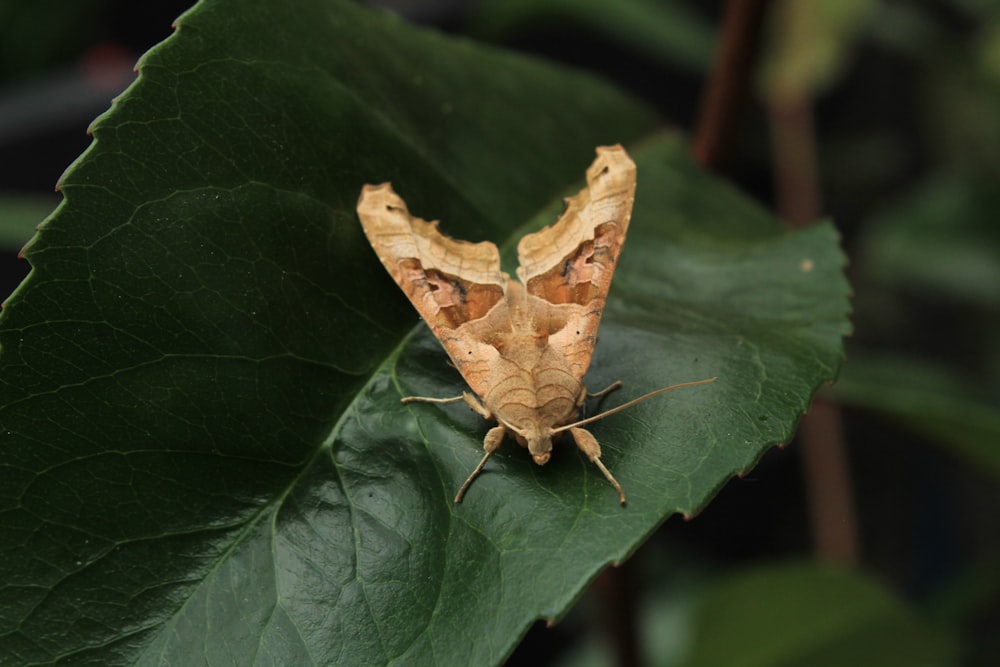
(614, 153)
(610, 159)
(376, 197)
(369, 189)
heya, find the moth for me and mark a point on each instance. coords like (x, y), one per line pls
(522, 346)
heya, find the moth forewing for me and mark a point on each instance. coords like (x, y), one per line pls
(522, 347)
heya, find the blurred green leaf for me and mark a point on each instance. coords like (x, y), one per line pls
(969, 594)
(811, 43)
(791, 615)
(933, 401)
(961, 105)
(941, 240)
(202, 450)
(935, 251)
(989, 48)
(665, 30)
(19, 216)
(782, 614)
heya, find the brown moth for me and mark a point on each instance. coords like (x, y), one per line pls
(522, 347)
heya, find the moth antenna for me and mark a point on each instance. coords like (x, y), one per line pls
(510, 426)
(625, 406)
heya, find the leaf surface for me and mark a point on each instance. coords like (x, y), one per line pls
(202, 450)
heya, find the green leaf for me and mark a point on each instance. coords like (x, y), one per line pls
(932, 257)
(811, 44)
(791, 615)
(202, 450)
(941, 240)
(782, 615)
(19, 216)
(935, 401)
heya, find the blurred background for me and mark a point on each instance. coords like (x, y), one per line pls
(884, 115)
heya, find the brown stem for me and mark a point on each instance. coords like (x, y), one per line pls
(824, 451)
(828, 480)
(723, 101)
(617, 598)
(795, 171)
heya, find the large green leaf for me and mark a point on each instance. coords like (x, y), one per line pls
(204, 457)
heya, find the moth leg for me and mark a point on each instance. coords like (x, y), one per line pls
(473, 402)
(607, 390)
(584, 394)
(589, 446)
(470, 400)
(428, 399)
(491, 443)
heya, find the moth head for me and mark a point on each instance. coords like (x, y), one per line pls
(540, 447)
(537, 439)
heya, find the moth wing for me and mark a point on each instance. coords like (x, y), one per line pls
(452, 284)
(570, 263)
